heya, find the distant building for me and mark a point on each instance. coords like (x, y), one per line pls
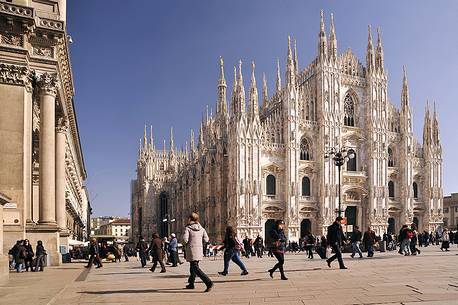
(451, 211)
(97, 222)
(119, 228)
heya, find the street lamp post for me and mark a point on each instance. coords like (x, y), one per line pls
(169, 220)
(340, 156)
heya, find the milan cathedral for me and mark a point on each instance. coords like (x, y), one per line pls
(252, 165)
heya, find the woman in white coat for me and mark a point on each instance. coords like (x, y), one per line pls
(193, 238)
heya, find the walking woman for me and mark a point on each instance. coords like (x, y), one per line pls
(193, 238)
(232, 247)
(278, 249)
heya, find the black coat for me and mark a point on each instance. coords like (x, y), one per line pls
(355, 236)
(335, 234)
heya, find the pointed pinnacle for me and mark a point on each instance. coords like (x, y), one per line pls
(321, 21)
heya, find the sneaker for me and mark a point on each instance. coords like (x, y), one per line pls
(284, 278)
(343, 267)
(222, 273)
(162, 271)
(244, 273)
(190, 286)
(352, 256)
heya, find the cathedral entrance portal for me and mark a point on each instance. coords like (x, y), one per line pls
(306, 227)
(268, 227)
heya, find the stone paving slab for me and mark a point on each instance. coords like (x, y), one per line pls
(388, 278)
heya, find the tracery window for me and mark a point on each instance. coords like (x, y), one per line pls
(349, 111)
(270, 185)
(390, 157)
(306, 186)
(351, 164)
(305, 150)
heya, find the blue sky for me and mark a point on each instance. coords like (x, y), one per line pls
(156, 62)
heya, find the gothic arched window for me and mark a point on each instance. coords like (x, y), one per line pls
(391, 189)
(306, 186)
(390, 157)
(351, 164)
(270, 185)
(415, 190)
(349, 111)
(305, 150)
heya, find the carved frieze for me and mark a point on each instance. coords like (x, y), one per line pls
(47, 52)
(62, 124)
(16, 75)
(11, 39)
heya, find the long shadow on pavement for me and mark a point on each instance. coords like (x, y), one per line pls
(167, 290)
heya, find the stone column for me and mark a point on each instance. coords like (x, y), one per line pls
(61, 130)
(47, 84)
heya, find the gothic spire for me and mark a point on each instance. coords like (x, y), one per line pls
(296, 63)
(221, 106)
(191, 142)
(332, 41)
(140, 149)
(379, 63)
(201, 137)
(370, 60)
(145, 141)
(265, 96)
(405, 91)
(322, 44)
(427, 127)
(278, 81)
(240, 91)
(234, 93)
(253, 100)
(290, 73)
(435, 127)
(151, 139)
(172, 143)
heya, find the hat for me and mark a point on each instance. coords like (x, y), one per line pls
(173, 235)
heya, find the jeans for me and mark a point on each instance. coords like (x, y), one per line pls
(194, 271)
(355, 249)
(18, 267)
(233, 255)
(174, 258)
(405, 246)
(337, 254)
(281, 261)
(40, 262)
(142, 258)
(370, 251)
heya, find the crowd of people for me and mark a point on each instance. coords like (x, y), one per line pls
(23, 258)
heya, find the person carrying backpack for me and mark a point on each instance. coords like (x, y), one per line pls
(232, 248)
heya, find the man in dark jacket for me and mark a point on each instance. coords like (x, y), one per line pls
(41, 254)
(355, 240)
(369, 240)
(94, 254)
(142, 248)
(156, 252)
(335, 239)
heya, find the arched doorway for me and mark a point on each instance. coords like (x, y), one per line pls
(391, 225)
(163, 215)
(306, 227)
(268, 227)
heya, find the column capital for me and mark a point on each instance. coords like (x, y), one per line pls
(47, 83)
(62, 124)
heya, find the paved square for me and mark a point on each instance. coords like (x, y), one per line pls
(388, 278)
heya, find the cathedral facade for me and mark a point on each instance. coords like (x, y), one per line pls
(252, 165)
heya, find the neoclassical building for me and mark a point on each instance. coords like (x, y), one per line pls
(252, 165)
(41, 162)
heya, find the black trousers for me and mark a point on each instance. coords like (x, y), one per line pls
(94, 259)
(174, 258)
(194, 271)
(337, 254)
(142, 258)
(309, 251)
(281, 261)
